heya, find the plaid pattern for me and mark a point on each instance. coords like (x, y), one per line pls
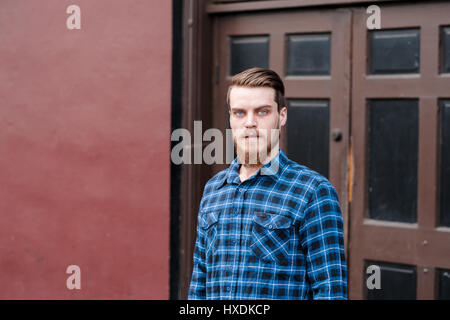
(274, 236)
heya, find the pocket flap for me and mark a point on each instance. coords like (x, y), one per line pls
(209, 218)
(272, 220)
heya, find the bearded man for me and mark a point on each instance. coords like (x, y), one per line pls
(268, 227)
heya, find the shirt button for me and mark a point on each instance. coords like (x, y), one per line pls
(228, 289)
(270, 227)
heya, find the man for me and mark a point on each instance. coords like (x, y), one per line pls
(268, 228)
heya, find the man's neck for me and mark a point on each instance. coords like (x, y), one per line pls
(247, 170)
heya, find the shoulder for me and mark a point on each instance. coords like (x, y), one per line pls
(212, 186)
(216, 181)
(319, 197)
(304, 179)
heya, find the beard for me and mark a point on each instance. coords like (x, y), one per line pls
(255, 151)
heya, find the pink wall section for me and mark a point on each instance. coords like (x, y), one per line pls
(85, 149)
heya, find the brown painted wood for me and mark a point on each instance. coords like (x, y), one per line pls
(421, 244)
(426, 289)
(196, 101)
(240, 6)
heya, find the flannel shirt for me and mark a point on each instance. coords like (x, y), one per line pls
(273, 236)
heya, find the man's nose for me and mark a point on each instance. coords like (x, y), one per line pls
(250, 120)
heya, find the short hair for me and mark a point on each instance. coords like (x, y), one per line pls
(259, 77)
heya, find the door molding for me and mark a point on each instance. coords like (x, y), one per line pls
(245, 6)
(196, 97)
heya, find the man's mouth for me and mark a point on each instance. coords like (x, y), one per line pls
(251, 135)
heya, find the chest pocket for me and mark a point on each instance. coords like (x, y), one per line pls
(208, 222)
(271, 234)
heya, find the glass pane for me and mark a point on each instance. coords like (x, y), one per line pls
(248, 52)
(308, 54)
(308, 130)
(445, 64)
(445, 164)
(444, 285)
(394, 51)
(397, 281)
(393, 152)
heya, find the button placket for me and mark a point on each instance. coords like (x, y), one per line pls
(228, 272)
(240, 193)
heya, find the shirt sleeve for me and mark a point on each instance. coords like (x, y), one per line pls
(197, 288)
(322, 240)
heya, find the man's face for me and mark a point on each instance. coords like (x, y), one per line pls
(255, 123)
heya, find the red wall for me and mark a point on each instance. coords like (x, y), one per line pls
(85, 149)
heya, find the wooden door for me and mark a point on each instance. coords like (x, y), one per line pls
(370, 110)
(400, 214)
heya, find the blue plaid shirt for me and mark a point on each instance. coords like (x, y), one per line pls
(277, 236)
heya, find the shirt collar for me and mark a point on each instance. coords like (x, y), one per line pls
(272, 169)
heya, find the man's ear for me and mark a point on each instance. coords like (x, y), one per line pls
(283, 116)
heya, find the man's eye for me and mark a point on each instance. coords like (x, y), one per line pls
(262, 112)
(238, 113)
